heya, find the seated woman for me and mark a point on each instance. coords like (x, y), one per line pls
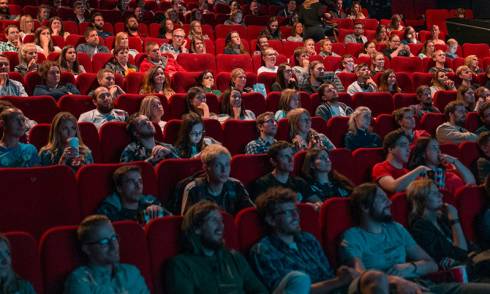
(472, 62)
(377, 63)
(155, 82)
(196, 31)
(482, 95)
(396, 24)
(428, 49)
(152, 108)
(434, 35)
(26, 26)
(331, 106)
(27, 59)
(239, 81)
(301, 69)
(467, 96)
(43, 41)
(441, 82)
(191, 140)
(122, 40)
(272, 29)
(326, 48)
(56, 27)
(465, 75)
(410, 36)
(233, 44)
(65, 145)
(166, 29)
(285, 79)
(405, 119)
(309, 45)
(236, 15)
(206, 81)
(197, 45)
(359, 135)
(388, 83)
(289, 100)
(449, 172)
(11, 282)
(356, 11)
(195, 102)
(382, 35)
(120, 62)
(68, 61)
(50, 75)
(369, 49)
(296, 33)
(269, 56)
(302, 135)
(323, 180)
(231, 107)
(347, 64)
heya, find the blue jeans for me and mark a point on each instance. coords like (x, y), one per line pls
(295, 282)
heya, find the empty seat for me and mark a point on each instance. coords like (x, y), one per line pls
(183, 81)
(227, 63)
(133, 82)
(346, 78)
(383, 124)
(469, 154)
(99, 60)
(197, 62)
(472, 121)
(38, 135)
(113, 139)
(254, 101)
(76, 104)
(39, 108)
(332, 63)
(336, 129)
(406, 64)
(470, 202)
(86, 82)
(249, 167)
(378, 102)
(90, 136)
(404, 81)
(421, 78)
(480, 50)
(430, 121)
(404, 100)
(442, 98)
(364, 160)
(237, 133)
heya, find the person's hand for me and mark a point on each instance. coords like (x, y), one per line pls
(306, 63)
(327, 15)
(401, 270)
(449, 84)
(346, 274)
(299, 141)
(154, 211)
(159, 152)
(451, 211)
(372, 82)
(113, 90)
(422, 170)
(205, 108)
(406, 287)
(32, 64)
(447, 159)
(447, 263)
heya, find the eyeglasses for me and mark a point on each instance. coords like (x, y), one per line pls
(179, 36)
(208, 77)
(195, 134)
(105, 241)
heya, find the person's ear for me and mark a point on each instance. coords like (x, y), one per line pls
(85, 250)
(269, 220)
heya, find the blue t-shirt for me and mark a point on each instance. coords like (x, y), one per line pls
(23, 155)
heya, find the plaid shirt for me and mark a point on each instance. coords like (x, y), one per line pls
(272, 259)
(135, 151)
(258, 146)
(8, 47)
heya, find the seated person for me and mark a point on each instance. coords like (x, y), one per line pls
(27, 59)
(197, 45)
(119, 63)
(439, 58)
(239, 81)
(357, 36)
(452, 48)
(196, 31)
(267, 128)
(233, 44)
(310, 47)
(143, 145)
(236, 18)
(364, 81)
(465, 76)
(178, 44)
(449, 173)
(153, 57)
(91, 45)
(434, 35)
(425, 104)
(262, 44)
(50, 75)
(79, 12)
(131, 27)
(326, 48)
(272, 31)
(44, 42)
(68, 61)
(56, 28)
(11, 281)
(12, 36)
(285, 79)
(441, 82)
(104, 109)
(318, 76)
(324, 181)
(369, 49)
(380, 243)
(206, 81)
(287, 259)
(282, 159)
(122, 40)
(467, 96)
(269, 56)
(191, 139)
(395, 48)
(331, 106)
(216, 185)
(483, 163)
(206, 265)
(151, 107)
(356, 11)
(103, 272)
(9, 87)
(301, 67)
(484, 114)
(65, 144)
(196, 103)
(6, 104)
(377, 63)
(410, 36)
(296, 32)
(156, 82)
(391, 174)
(482, 95)
(427, 50)
(107, 79)
(347, 64)
(98, 24)
(388, 82)
(232, 108)
(453, 131)
(405, 119)
(128, 202)
(302, 135)
(359, 135)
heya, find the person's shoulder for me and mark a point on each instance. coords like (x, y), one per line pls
(28, 147)
(263, 246)
(129, 270)
(352, 233)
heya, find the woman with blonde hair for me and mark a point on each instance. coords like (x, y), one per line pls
(26, 26)
(465, 74)
(289, 100)
(155, 81)
(152, 108)
(65, 144)
(122, 40)
(471, 61)
(196, 31)
(27, 59)
(239, 81)
(359, 135)
(43, 41)
(302, 135)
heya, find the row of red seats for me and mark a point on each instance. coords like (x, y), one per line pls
(150, 248)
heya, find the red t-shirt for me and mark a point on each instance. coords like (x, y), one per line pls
(384, 168)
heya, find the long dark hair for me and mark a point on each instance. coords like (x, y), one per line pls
(183, 143)
(226, 107)
(191, 94)
(228, 43)
(280, 78)
(75, 68)
(417, 154)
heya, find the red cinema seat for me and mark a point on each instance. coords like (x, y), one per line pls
(337, 127)
(249, 167)
(25, 258)
(38, 198)
(406, 64)
(39, 108)
(99, 60)
(332, 63)
(289, 47)
(383, 124)
(184, 80)
(237, 134)
(222, 30)
(13, 75)
(272, 101)
(255, 19)
(472, 121)
(74, 40)
(416, 48)
(254, 101)
(364, 160)
(480, 50)
(430, 122)
(227, 63)
(369, 23)
(404, 81)
(86, 82)
(421, 78)
(113, 139)
(299, 159)
(469, 154)
(378, 102)
(346, 78)
(90, 136)
(72, 27)
(13, 58)
(404, 100)
(75, 104)
(133, 82)
(197, 62)
(95, 183)
(354, 48)
(38, 135)
(254, 31)
(223, 80)
(450, 149)
(342, 162)
(470, 202)
(400, 208)
(267, 78)
(442, 98)
(335, 218)
(344, 22)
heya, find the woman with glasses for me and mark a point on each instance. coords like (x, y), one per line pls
(269, 57)
(302, 135)
(285, 79)
(206, 81)
(195, 102)
(191, 140)
(232, 108)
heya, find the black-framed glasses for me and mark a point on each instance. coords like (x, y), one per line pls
(105, 241)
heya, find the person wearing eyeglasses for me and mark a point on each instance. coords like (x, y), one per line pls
(267, 127)
(178, 44)
(191, 139)
(206, 81)
(103, 273)
(269, 57)
(318, 76)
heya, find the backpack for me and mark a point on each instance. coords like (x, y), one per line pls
(174, 203)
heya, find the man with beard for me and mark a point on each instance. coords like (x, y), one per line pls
(318, 76)
(267, 127)
(391, 174)
(425, 104)
(104, 111)
(132, 26)
(379, 243)
(91, 47)
(5, 11)
(98, 24)
(357, 36)
(364, 81)
(106, 78)
(206, 266)
(103, 273)
(216, 184)
(331, 106)
(288, 260)
(143, 145)
(453, 130)
(9, 87)
(177, 45)
(13, 39)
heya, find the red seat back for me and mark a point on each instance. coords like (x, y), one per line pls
(86, 82)
(183, 81)
(383, 124)
(39, 108)
(38, 135)
(337, 127)
(472, 121)
(99, 61)
(406, 64)
(76, 104)
(171, 171)
(378, 102)
(133, 82)
(113, 139)
(400, 208)
(364, 160)
(197, 62)
(254, 101)
(404, 100)
(227, 63)
(430, 122)
(90, 136)
(237, 134)
(249, 167)
(470, 202)
(480, 50)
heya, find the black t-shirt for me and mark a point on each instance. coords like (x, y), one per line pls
(294, 183)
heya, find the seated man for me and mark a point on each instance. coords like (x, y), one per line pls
(91, 46)
(379, 243)
(153, 57)
(79, 12)
(103, 273)
(143, 145)
(364, 81)
(483, 163)
(318, 76)
(12, 152)
(357, 36)
(282, 159)
(98, 24)
(104, 111)
(267, 127)
(9, 87)
(206, 266)
(287, 259)
(13, 42)
(391, 174)
(106, 78)
(453, 130)
(177, 45)
(216, 184)
(331, 106)
(128, 202)
(484, 114)
(425, 104)
(439, 58)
